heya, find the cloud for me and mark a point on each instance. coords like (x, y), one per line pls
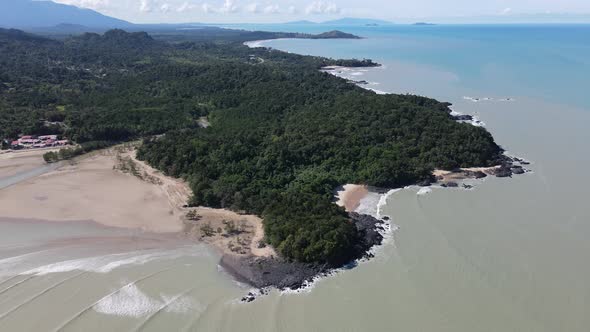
(229, 7)
(272, 9)
(292, 10)
(252, 8)
(322, 7)
(506, 11)
(92, 4)
(146, 6)
(185, 7)
(165, 8)
(207, 8)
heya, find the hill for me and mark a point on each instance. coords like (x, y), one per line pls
(334, 34)
(28, 13)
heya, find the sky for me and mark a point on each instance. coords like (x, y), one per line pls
(267, 11)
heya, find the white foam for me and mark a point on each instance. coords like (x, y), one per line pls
(475, 100)
(369, 204)
(424, 191)
(379, 92)
(474, 122)
(130, 301)
(107, 263)
(256, 43)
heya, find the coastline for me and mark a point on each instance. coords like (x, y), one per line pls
(112, 188)
(146, 199)
(364, 205)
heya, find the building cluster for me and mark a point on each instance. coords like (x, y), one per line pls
(35, 142)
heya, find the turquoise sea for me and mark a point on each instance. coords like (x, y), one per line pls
(547, 61)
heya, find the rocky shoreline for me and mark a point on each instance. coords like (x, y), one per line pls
(276, 272)
(264, 272)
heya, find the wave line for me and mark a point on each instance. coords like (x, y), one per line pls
(45, 291)
(76, 316)
(164, 306)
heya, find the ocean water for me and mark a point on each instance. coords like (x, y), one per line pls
(509, 255)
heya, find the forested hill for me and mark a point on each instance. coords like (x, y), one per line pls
(283, 135)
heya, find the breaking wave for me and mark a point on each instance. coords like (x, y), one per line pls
(108, 263)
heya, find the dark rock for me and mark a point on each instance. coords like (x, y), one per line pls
(463, 117)
(503, 172)
(479, 175)
(262, 272)
(467, 186)
(452, 184)
(517, 170)
(424, 183)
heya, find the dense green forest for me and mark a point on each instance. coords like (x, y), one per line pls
(283, 135)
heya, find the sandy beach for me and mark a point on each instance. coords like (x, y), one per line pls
(111, 187)
(350, 196)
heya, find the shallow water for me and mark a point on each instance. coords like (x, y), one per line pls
(8, 181)
(509, 255)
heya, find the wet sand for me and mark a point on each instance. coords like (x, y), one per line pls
(14, 162)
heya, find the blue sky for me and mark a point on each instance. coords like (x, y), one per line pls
(242, 11)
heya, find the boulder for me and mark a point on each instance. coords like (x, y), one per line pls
(517, 170)
(479, 175)
(503, 172)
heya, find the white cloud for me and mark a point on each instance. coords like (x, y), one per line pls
(292, 10)
(322, 7)
(207, 8)
(272, 9)
(165, 8)
(252, 8)
(146, 6)
(229, 7)
(92, 4)
(185, 7)
(507, 11)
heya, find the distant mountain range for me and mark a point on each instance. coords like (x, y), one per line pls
(47, 16)
(28, 13)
